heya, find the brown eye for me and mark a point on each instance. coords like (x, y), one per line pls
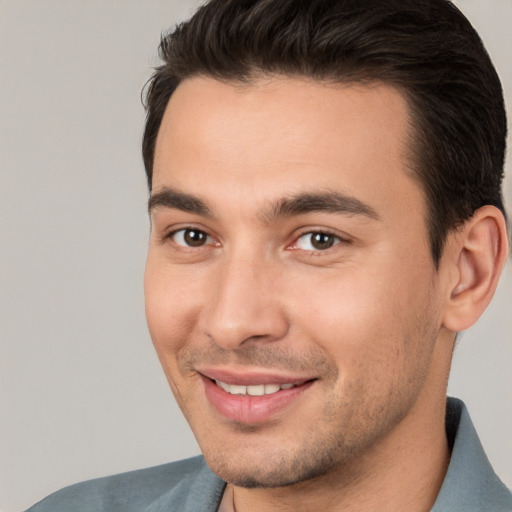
(191, 237)
(317, 241)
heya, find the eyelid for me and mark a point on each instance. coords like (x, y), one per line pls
(171, 232)
(340, 239)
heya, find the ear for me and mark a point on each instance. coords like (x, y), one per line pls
(476, 255)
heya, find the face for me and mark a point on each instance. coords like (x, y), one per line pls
(290, 291)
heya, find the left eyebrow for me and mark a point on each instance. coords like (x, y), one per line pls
(328, 202)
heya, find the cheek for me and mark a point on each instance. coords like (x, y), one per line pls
(169, 310)
(347, 306)
(170, 322)
(369, 322)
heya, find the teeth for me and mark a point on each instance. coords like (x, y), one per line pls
(237, 390)
(257, 390)
(223, 385)
(272, 388)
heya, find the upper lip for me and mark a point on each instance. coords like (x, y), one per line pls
(251, 377)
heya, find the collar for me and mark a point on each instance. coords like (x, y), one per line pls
(470, 484)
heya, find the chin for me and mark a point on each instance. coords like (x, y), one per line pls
(251, 470)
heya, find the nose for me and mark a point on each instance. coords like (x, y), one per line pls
(246, 305)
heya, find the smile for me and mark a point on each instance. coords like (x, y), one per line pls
(255, 390)
(253, 399)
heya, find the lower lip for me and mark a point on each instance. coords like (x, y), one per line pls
(251, 409)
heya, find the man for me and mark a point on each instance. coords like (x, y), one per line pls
(326, 216)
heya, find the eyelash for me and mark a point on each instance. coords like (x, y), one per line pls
(336, 240)
(172, 234)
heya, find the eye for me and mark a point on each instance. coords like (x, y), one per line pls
(190, 237)
(317, 241)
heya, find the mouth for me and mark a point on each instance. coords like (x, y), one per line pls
(256, 389)
(253, 399)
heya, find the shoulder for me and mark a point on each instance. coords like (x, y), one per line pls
(136, 490)
(470, 483)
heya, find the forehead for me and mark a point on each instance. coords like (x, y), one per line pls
(278, 136)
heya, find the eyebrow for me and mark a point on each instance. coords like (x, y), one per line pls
(328, 202)
(299, 204)
(172, 198)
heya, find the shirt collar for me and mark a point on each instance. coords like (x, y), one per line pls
(470, 484)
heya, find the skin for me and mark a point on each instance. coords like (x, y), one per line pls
(365, 320)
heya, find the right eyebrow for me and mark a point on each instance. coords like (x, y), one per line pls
(171, 198)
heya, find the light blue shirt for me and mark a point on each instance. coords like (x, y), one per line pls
(470, 484)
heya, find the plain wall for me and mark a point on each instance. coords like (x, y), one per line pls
(81, 391)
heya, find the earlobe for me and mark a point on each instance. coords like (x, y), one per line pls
(478, 252)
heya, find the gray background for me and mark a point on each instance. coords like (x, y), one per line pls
(82, 393)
